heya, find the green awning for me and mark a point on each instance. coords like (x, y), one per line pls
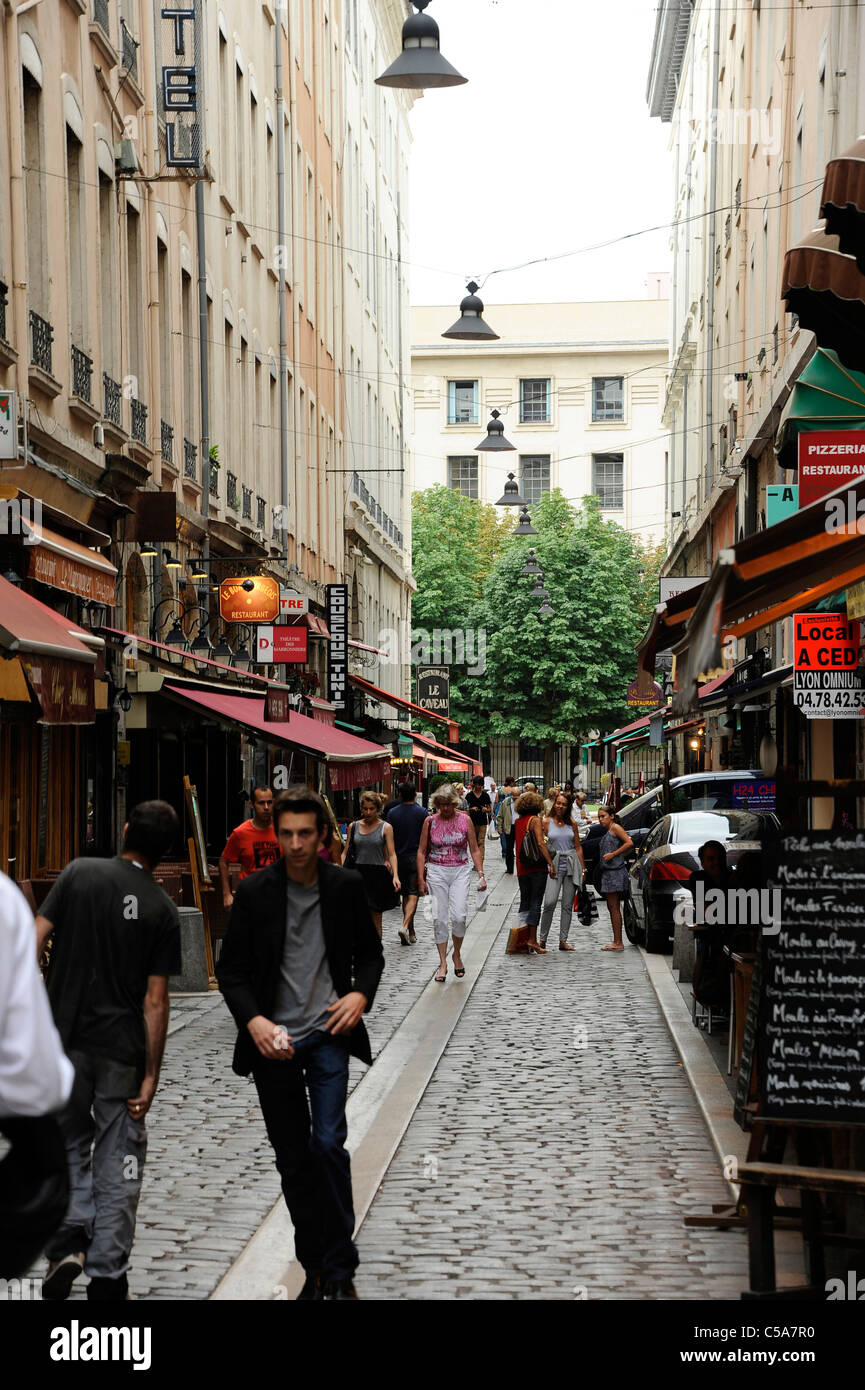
(827, 396)
(352, 728)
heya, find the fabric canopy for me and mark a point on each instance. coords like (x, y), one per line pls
(826, 289)
(352, 762)
(26, 625)
(843, 201)
(397, 701)
(827, 396)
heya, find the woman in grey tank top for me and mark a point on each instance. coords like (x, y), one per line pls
(563, 843)
(369, 848)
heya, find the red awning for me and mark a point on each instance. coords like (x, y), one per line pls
(398, 702)
(451, 754)
(26, 625)
(352, 762)
(322, 710)
(364, 647)
(317, 626)
(64, 564)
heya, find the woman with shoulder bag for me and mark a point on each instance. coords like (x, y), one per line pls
(564, 842)
(613, 871)
(369, 848)
(534, 866)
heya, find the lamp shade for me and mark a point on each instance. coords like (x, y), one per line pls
(148, 551)
(201, 650)
(511, 498)
(242, 660)
(221, 652)
(531, 566)
(495, 437)
(525, 527)
(470, 325)
(420, 64)
(545, 610)
(539, 591)
(176, 640)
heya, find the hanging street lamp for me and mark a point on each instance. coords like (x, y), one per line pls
(495, 438)
(511, 497)
(545, 610)
(531, 566)
(176, 642)
(525, 527)
(420, 64)
(539, 591)
(470, 327)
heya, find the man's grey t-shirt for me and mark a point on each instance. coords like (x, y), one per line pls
(305, 987)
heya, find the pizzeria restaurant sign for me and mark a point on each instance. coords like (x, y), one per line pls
(250, 599)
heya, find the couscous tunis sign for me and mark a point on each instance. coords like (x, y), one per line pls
(827, 678)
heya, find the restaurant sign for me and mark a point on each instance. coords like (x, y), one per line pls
(827, 460)
(64, 690)
(73, 576)
(250, 599)
(827, 680)
(644, 695)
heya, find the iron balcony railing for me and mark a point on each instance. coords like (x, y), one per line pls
(129, 47)
(82, 374)
(247, 504)
(231, 490)
(111, 396)
(166, 442)
(41, 338)
(139, 420)
(261, 515)
(190, 459)
(101, 16)
(214, 479)
(381, 517)
(4, 300)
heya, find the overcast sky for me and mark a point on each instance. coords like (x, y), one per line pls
(548, 148)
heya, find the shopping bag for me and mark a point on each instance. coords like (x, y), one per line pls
(517, 941)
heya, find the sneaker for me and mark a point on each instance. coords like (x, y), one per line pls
(312, 1291)
(403, 936)
(62, 1275)
(340, 1289)
(411, 936)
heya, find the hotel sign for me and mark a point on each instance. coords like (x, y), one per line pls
(337, 650)
(181, 88)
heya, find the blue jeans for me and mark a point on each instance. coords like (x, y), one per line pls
(308, 1139)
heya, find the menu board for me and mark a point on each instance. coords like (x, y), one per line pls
(811, 1045)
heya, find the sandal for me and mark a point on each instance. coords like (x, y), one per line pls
(563, 946)
(441, 975)
(612, 947)
(459, 973)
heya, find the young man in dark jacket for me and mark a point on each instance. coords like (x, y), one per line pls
(299, 968)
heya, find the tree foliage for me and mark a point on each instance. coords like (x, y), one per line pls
(454, 542)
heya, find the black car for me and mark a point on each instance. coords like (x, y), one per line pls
(668, 857)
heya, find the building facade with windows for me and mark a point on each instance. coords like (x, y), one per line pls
(579, 388)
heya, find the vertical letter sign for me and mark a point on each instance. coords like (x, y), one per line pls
(337, 651)
(181, 89)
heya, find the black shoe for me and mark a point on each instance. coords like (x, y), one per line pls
(312, 1291)
(108, 1290)
(340, 1289)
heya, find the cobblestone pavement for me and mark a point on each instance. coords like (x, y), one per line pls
(209, 1178)
(556, 1149)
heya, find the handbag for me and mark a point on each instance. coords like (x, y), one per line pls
(351, 857)
(492, 833)
(530, 850)
(583, 906)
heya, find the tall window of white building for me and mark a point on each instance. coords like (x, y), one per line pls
(534, 476)
(608, 398)
(608, 480)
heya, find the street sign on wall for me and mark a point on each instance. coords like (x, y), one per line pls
(337, 648)
(275, 645)
(249, 599)
(827, 460)
(781, 501)
(827, 680)
(434, 689)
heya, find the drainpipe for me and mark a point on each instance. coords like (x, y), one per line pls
(18, 223)
(283, 331)
(708, 471)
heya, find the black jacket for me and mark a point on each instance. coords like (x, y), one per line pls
(251, 957)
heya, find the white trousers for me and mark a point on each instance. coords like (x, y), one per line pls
(449, 887)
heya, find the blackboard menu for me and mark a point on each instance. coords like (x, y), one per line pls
(811, 1046)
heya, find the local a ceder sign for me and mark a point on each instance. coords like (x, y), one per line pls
(827, 683)
(249, 599)
(827, 460)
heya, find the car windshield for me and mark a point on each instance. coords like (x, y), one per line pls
(693, 827)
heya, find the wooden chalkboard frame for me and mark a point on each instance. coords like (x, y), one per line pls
(743, 1102)
(194, 811)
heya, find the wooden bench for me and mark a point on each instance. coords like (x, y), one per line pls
(760, 1182)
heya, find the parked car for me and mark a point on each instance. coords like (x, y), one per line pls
(696, 791)
(668, 857)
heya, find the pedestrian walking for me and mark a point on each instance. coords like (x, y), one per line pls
(613, 874)
(459, 788)
(579, 814)
(505, 820)
(116, 940)
(532, 876)
(369, 848)
(299, 968)
(407, 820)
(480, 809)
(252, 844)
(443, 869)
(563, 843)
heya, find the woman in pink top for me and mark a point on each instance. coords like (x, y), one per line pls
(443, 869)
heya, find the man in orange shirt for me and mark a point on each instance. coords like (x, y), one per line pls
(252, 844)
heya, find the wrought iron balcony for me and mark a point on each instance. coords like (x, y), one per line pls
(166, 442)
(129, 56)
(41, 338)
(111, 397)
(190, 459)
(214, 479)
(4, 300)
(101, 15)
(261, 518)
(82, 374)
(139, 420)
(247, 503)
(231, 490)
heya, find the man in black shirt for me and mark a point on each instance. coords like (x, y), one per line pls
(480, 810)
(407, 819)
(116, 941)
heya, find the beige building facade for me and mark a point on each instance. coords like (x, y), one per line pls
(579, 389)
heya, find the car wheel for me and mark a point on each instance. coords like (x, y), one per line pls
(656, 937)
(633, 930)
